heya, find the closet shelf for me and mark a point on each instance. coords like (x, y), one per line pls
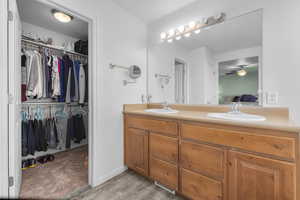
(53, 47)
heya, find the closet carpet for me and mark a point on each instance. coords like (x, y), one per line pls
(127, 186)
(57, 179)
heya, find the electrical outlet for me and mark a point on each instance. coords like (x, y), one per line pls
(272, 98)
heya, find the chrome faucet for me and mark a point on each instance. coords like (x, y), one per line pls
(235, 107)
(165, 105)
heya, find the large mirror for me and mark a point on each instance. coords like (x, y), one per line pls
(219, 65)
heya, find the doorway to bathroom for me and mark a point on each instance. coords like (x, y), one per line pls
(50, 123)
(180, 81)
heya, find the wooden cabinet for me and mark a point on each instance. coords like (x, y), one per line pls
(214, 162)
(257, 178)
(164, 160)
(136, 150)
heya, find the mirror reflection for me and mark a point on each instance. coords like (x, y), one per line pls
(220, 64)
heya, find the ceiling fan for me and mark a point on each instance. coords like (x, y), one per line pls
(240, 70)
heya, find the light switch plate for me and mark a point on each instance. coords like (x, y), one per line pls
(272, 98)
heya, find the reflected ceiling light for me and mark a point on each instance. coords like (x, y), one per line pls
(170, 40)
(62, 17)
(242, 72)
(163, 35)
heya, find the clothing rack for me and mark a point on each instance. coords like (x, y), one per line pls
(27, 42)
(54, 103)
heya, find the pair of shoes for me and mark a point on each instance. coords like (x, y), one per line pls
(29, 163)
(46, 158)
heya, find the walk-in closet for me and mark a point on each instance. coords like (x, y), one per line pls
(54, 98)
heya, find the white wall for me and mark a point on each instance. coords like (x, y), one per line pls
(281, 30)
(121, 39)
(58, 38)
(161, 60)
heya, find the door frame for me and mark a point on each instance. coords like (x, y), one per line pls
(186, 85)
(4, 99)
(4, 84)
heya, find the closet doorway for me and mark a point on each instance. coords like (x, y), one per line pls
(50, 67)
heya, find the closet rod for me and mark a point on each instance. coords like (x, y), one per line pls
(53, 47)
(53, 103)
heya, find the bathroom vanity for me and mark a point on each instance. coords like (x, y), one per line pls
(212, 159)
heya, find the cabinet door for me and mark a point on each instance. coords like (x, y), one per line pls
(257, 178)
(136, 150)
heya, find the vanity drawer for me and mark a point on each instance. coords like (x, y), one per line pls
(164, 173)
(164, 148)
(160, 126)
(203, 159)
(268, 144)
(198, 187)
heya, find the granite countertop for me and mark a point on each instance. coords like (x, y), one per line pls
(271, 123)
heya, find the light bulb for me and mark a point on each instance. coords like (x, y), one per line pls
(62, 17)
(242, 72)
(192, 24)
(181, 29)
(197, 31)
(178, 37)
(170, 40)
(187, 35)
(163, 35)
(171, 33)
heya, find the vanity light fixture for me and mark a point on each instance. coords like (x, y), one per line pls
(187, 35)
(197, 31)
(163, 35)
(192, 27)
(61, 16)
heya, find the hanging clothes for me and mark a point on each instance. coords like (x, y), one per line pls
(76, 67)
(52, 137)
(23, 78)
(55, 77)
(24, 138)
(82, 86)
(70, 93)
(61, 125)
(85, 67)
(79, 130)
(35, 75)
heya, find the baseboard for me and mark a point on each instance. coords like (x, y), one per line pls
(109, 176)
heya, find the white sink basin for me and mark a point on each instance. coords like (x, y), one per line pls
(237, 116)
(162, 111)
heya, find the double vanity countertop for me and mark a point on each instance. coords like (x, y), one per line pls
(276, 118)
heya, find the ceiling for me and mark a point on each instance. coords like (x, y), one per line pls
(250, 64)
(237, 33)
(43, 17)
(152, 10)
